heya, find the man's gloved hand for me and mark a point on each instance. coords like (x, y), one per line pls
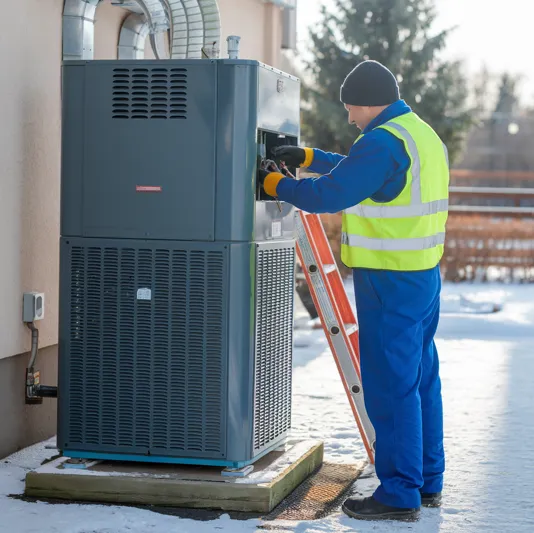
(292, 156)
(269, 181)
(270, 165)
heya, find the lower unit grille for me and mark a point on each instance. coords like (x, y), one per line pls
(143, 346)
(274, 340)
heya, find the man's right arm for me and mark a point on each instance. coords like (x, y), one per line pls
(359, 176)
(314, 159)
(324, 162)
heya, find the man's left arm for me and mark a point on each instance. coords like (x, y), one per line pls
(357, 177)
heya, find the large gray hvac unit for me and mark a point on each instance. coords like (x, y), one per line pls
(177, 273)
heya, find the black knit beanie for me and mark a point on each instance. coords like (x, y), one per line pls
(370, 84)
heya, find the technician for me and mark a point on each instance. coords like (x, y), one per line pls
(393, 191)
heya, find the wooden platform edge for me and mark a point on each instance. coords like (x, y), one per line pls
(289, 480)
(133, 490)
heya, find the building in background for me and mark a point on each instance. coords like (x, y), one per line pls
(30, 138)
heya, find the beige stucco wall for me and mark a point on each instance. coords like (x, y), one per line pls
(30, 56)
(30, 52)
(248, 19)
(258, 24)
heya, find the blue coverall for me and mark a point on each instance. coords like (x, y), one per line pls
(398, 314)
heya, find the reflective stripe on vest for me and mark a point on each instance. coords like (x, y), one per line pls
(399, 211)
(394, 245)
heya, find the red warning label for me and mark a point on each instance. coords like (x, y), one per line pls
(148, 188)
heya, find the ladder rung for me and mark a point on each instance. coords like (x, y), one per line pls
(329, 268)
(351, 328)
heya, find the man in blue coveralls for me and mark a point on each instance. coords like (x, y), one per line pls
(393, 191)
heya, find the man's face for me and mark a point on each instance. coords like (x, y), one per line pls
(358, 115)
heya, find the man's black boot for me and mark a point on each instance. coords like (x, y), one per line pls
(371, 509)
(431, 499)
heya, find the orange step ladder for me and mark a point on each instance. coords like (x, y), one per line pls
(337, 316)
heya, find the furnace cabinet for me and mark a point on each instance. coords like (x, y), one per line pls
(176, 271)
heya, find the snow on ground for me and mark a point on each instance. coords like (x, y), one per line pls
(487, 368)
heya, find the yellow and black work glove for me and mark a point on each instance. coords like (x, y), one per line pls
(269, 181)
(293, 156)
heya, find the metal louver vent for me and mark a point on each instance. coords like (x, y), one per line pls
(149, 93)
(274, 341)
(146, 350)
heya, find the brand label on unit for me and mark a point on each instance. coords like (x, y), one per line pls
(148, 188)
(144, 294)
(276, 229)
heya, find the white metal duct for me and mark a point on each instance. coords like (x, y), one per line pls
(192, 23)
(79, 28)
(133, 36)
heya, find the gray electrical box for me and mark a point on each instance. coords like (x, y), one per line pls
(32, 306)
(177, 271)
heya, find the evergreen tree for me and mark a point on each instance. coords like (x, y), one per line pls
(505, 107)
(398, 33)
(507, 98)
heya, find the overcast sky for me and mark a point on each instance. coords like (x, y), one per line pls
(502, 37)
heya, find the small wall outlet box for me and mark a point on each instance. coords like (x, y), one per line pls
(33, 306)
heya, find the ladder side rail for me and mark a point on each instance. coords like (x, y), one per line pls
(338, 293)
(338, 296)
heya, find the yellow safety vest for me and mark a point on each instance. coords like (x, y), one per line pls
(408, 233)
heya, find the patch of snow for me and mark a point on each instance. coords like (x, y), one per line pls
(292, 453)
(55, 467)
(458, 303)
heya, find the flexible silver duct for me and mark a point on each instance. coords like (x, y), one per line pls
(196, 23)
(133, 36)
(212, 21)
(193, 24)
(156, 14)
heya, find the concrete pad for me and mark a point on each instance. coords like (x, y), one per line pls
(274, 477)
